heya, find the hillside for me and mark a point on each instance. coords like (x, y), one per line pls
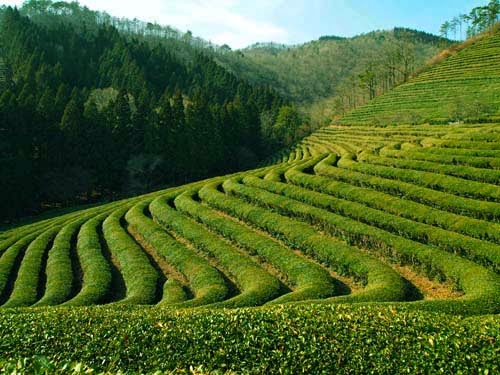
(89, 112)
(407, 215)
(216, 242)
(332, 75)
(371, 249)
(464, 86)
(322, 68)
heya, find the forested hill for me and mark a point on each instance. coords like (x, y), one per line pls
(87, 110)
(348, 71)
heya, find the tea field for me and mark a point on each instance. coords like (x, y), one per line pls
(367, 248)
(361, 237)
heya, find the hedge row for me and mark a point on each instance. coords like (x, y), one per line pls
(140, 276)
(482, 252)
(473, 161)
(13, 236)
(445, 201)
(400, 207)
(205, 281)
(256, 285)
(382, 283)
(18, 236)
(97, 278)
(61, 281)
(23, 237)
(469, 173)
(462, 152)
(448, 184)
(28, 281)
(309, 280)
(12, 256)
(481, 287)
(461, 144)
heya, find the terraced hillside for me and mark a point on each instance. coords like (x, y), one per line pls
(463, 86)
(362, 239)
(403, 214)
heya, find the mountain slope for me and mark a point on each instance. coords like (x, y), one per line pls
(395, 231)
(464, 86)
(322, 68)
(337, 217)
(90, 112)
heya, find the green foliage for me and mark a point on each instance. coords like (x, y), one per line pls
(8, 261)
(476, 21)
(290, 340)
(382, 284)
(205, 281)
(96, 281)
(434, 198)
(482, 252)
(77, 122)
(475, 174)
(26, 288)
(460, 84)
(400, 222)
(310, 281)
(140, 277)
(445, 183)
(61, 281)
(256, 286)
(330, 67)
(479, 285)
(286, 129)
(421, 213)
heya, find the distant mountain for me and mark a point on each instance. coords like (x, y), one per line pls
(333, 65)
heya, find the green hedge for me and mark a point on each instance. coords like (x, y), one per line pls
(141, 278)
(476, 228)
(482, 252)
(97, 277)
(61, 282)
(205, 281)
(449, 184)
(469, 173)
(481, 287)
(382, 283)
(444, 201)
(8, 262)
(309, 280)
(27, 283)
(256, 285)
(312, 339)
(452, 159)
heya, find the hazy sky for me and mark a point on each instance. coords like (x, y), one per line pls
(243, 22)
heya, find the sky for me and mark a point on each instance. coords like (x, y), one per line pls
(240, 23)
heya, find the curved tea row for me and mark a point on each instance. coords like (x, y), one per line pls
(351, 215)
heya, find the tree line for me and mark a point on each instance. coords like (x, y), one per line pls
(476, 21)
(88, 113)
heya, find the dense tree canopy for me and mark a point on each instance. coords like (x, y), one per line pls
(85, 109)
